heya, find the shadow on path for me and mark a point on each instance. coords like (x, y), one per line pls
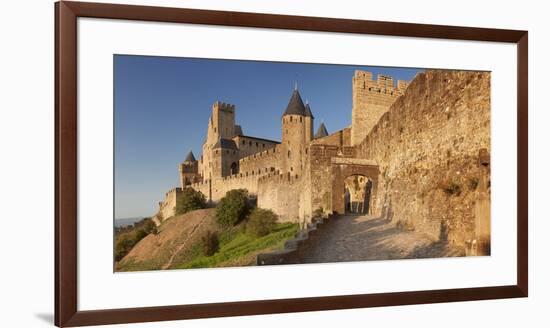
(364, 238)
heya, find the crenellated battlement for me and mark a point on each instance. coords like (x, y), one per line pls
(276, 176)
(383, 84)
(371, 99)
(226, 107)
(173, 191)
(266, 153)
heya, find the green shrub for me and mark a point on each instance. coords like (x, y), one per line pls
(126, 240)
(261, 222)
(210, 243)
(150, 227)
(190, 200)
(139, 235)
(123, 245)
(232, 208)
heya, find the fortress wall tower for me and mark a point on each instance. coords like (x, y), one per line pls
(166, 207)
(297, 127)
(293, 142)
(225, 158)
(222, 122)
(220, 126)
(371, 99)
(189, 171)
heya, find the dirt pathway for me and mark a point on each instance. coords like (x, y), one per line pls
(363, 238)
(182, 245)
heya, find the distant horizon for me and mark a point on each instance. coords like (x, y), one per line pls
(162, 106)
(133, 217)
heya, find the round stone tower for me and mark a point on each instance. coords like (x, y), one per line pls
(297, 122)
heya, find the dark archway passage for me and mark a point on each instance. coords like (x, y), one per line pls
(354, 185)
(357, 194)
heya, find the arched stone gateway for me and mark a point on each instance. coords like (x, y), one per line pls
(357, 194)
(354, 183)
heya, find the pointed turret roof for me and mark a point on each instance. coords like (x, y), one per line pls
(295, 105)
(321, 131)
(190, 157)
(308, 110)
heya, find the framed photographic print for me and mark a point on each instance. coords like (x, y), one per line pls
(216, 163)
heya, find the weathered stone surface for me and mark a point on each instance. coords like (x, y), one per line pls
(371, 99)
(427, 146)
(423, 147)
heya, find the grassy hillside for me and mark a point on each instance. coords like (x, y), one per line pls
(237, 248)
(171, 243)
(178, 244)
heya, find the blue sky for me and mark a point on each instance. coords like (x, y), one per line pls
(162, 106)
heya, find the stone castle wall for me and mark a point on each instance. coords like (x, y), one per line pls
(296, 135)
(320, 173)
(166, 207)
(215, 189)
(220, 125)
(370, 99)
(249, 145)
(284, 194)
(261, 163)
(424, 147)
(338, 138)
(428, 155)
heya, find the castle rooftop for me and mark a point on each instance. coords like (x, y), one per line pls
(190, 157)
(321, 131)
(308, 110)
(225, 144)
(296, 105)
(258, 138)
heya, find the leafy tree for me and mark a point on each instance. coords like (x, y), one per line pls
(190, 200)
(123, 245)
(126, 240)
(210, 243)
(232, 208)
(149, 227)
(261, 222)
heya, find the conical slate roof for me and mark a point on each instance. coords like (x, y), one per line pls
(295, 105)
(308, 110)
(321, 131)
(190, 157)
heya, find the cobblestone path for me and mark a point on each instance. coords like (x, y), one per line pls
(361, 238)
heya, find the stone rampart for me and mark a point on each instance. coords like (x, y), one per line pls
(261, 163)
(427, 147)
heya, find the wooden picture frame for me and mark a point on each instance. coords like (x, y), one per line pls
(66, 15)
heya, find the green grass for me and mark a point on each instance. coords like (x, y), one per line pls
(236, 244)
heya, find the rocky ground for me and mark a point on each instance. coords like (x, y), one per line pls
(363, 238)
